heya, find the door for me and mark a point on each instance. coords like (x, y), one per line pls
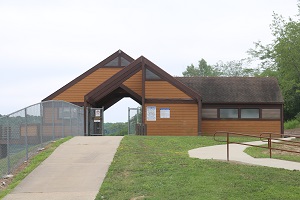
(95, 121)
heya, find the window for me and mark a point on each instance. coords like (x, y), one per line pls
(67, 113)
(114, 62)
(209, 113)
(270, 113)
(151, 76)
(250, 113)
(229, 113)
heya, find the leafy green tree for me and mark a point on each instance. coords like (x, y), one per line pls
(235, 69)
(119, 128)
(227, 69)
(191, 71)
(281, 59)
(203, 69)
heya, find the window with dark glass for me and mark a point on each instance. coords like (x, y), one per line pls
(229, 113)
(151, 76)
(249, 113)
(209, 113)
(270, 113)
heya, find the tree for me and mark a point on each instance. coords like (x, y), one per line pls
(235, 69)
(281, 59)
(191, 71)
(227, 69)
(203, 69)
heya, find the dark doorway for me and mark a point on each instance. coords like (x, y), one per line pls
(95, 119)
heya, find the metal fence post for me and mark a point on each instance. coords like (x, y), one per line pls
(8, 146)
(26, 139)
(62, 119)
(53, 126)
(71, 133)
(78, 117)
(102, 113)
(86, 121)
(41, 124)
(128, 120)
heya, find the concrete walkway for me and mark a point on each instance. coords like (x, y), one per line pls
(236, 153)
(75, 170)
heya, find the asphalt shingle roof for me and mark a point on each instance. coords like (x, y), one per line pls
(235, 89)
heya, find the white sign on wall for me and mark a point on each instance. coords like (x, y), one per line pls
(151, 113)
(97, 113)
(165, 113)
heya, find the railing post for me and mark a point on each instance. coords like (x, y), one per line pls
(270, 144)
(227, 146)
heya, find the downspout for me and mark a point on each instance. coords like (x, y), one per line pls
(199, 116)
(84, 116)
(143, 96)
(282, 119)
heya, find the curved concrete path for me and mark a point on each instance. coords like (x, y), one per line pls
(75, 170)
(236, 153)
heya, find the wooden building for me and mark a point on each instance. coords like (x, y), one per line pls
(179, 105)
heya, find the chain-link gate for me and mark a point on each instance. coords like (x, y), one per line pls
(95, 121)
(135, 125)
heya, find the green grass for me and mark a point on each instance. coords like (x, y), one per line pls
(160, 168)
(265, 153)
(32, 164)
(291, 124)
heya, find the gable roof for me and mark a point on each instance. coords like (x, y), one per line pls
(117, 59)
(235, 89)
(112, 84)
(164, 75)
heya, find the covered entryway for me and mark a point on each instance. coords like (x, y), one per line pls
(168, 106)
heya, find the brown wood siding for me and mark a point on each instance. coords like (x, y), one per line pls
(253, 127)
(183, 120)
(32, 130)
(76, 92)
(51, 115)
(163, 89)
(135, 83)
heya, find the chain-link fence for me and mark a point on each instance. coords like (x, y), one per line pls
(26, 131)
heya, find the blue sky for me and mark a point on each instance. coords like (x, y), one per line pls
(46, 44)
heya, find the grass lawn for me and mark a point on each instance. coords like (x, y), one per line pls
(264, 153)
(32, 164)
(160, 168)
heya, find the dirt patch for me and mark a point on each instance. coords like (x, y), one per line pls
(288, 146)
(4, 182)
(138, 198)
(295, 131)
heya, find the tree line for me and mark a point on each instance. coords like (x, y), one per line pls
(280, 59)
